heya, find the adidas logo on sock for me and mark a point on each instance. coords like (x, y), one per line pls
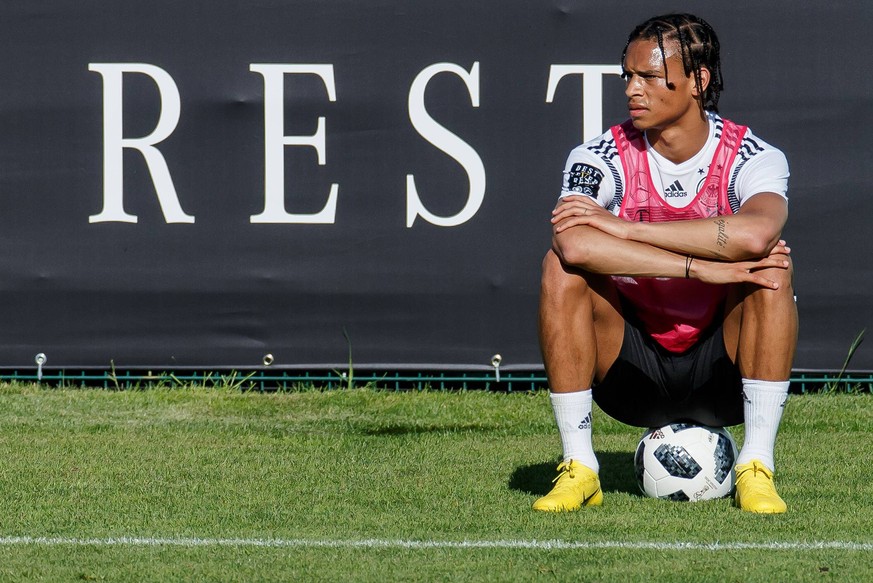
(586, 423)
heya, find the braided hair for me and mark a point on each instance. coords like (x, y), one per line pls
(698, 46)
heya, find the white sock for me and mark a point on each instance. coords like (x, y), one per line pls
(573, 416)
(763, 403)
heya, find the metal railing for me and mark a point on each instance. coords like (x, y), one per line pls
(271, 380)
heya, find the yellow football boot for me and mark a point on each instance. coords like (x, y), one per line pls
(576, 486)
(756, 491)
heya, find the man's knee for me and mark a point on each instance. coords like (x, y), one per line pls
(785, 280)
(785, 277)
(558, 279)
(570, 288)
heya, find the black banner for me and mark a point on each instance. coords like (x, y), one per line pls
(203, 183)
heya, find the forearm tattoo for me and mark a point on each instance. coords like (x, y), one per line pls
(721, 238)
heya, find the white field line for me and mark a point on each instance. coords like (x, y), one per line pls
(431, 544)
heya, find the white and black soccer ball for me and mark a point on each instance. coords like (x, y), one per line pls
(687, 462)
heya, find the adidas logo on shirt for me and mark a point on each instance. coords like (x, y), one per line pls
(586, 423)
(675, 190)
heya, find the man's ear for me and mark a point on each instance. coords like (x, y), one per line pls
(705, 77)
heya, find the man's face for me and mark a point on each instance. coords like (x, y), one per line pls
(653, 103)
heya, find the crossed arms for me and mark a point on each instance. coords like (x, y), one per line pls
(726, 249)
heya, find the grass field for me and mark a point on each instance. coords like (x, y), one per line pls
(364, 485)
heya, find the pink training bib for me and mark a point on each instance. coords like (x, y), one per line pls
(674, 311)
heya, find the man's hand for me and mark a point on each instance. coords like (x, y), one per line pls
(742, 271)
(576, 210)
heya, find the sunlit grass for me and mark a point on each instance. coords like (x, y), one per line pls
(362, 464)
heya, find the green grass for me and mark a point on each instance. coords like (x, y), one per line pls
(331, 469)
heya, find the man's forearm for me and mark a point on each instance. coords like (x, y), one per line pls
(751, 233)
(594, 251)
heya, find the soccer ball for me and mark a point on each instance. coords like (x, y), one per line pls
(688, 462)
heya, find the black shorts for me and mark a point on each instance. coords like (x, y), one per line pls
(648, 386)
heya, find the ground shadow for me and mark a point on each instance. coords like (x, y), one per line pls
(616, 475)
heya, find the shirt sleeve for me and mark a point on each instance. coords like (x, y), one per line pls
(587, 174)
(766, 171)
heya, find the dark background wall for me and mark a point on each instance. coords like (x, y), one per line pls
(224, 290)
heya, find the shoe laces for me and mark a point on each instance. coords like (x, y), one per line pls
(759, 481)
(565, 468)
(756, 467)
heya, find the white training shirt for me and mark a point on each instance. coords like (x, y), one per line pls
(594, 169)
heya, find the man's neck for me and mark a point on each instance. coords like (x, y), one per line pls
(680, 142)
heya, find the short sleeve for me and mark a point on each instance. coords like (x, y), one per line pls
(765, 171)
(587, 174)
